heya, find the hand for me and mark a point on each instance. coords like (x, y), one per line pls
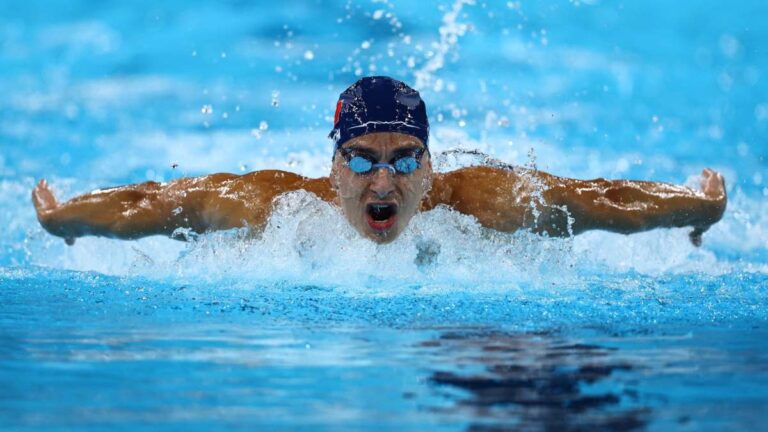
(713, 187)
(45, 203)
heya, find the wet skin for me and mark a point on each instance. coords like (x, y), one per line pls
(402, 193)
(501, 199)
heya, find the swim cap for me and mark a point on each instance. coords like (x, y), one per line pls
(379, 104)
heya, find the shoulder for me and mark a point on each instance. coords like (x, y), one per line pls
(471, 184)
(478, 176)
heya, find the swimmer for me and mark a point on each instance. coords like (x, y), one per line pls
(381, 176)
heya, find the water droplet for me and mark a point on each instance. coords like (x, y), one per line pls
(309, 55)
(207, 109)
(729, 45)
(655, 119)
(275, 98)
(365, 45)
(263, 125)
(256, 133)
(378, 14)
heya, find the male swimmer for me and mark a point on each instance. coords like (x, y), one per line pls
(380, 177)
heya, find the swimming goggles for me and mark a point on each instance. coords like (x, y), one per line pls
(361, 163)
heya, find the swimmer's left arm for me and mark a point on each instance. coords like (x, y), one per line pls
(626, 206)
(509, 200)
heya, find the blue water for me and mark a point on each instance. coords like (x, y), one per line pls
(310, 326)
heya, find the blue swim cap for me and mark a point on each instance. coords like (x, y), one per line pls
(379, 104)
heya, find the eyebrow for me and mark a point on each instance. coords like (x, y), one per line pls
(354, 148)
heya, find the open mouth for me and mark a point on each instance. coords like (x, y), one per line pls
(381, 216)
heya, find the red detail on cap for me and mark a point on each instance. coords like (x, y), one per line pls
(338, 112)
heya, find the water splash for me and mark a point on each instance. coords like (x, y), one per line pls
(450, 32)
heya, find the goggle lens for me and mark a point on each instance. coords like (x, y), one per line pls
(406, 164)
(360, 165)
(402, 165)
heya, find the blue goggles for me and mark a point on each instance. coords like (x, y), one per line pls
(361, 163)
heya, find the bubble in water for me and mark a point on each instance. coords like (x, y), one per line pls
(263, 125)
(206, 109)
(729, 45)
(761, 112)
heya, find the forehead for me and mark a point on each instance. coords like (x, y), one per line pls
(388, 140)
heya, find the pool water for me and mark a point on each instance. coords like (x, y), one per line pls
(450, 327)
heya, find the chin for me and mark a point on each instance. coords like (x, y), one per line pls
(383, 238)
(380, 237)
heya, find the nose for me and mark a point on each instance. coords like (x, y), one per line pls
(382, 183)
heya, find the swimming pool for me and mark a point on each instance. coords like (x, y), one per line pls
(311, 327)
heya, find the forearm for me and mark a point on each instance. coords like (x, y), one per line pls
(632, 206)
(127, 212)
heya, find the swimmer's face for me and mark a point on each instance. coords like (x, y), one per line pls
(379, 204)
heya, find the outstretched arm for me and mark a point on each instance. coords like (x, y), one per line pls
(214, 202)
(630, 206)
(509, 200)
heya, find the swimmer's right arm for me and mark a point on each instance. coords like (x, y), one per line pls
(200, 204)
(125, 212)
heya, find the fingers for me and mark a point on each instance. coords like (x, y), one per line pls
(43, 198)
(712, 184)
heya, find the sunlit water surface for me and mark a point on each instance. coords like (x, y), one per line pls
(450, 327)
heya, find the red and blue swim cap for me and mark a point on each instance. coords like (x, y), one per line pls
(379, 104)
